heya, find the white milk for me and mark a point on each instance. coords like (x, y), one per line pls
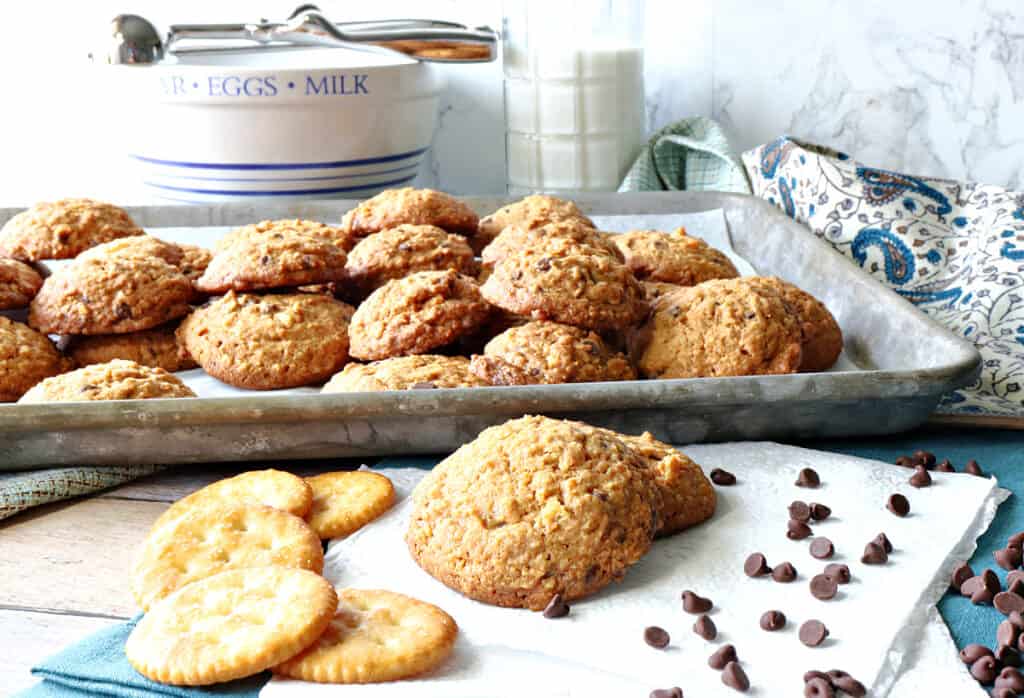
(574, 116)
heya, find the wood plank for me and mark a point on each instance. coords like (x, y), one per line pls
(74, 556)
(30, 637)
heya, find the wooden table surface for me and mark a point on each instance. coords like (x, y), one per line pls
(64, 566)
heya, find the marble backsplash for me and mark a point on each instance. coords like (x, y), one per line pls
(933, 87)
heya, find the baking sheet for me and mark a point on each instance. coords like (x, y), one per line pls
(878, 622)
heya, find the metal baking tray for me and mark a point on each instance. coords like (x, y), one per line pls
(906, 363)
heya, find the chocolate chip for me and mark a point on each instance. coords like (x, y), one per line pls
(722, 478)
(1014, 576)
(984, 670)
(990, 580)
(972, 468)
(1007, 602)
(808, 478)
(961, 573)
(905, 461)
(925, 458)
(1008, 558)
(945, 467)
(674, 692)
(756, 565)
(898, 505)
(1010, 678)
(123, 311)
(820, 512)
(982, 597)
(797, 530)
(735, 678)
(722, 656)
(1007, 656)
(1016, 587)
(423, 385)
(543, 264)
(813, 633)
(556, 608)
(800, 511)
(692, 603)
(920, 478)
(972, 653)
(1016, 540)
(822, 548)
(815, 674)
(784, 573)
(1007, 633)
(850, 686)
(874, 554)
(819, 688)
(883, 540)
(773, 620)
(838, 572)
(823, 587)
(656, 637)
(705, 627)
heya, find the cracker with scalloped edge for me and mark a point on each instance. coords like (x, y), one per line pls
(344, 502)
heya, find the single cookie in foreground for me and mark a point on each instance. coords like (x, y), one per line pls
(344, 502)
(376, 636)
(19, 284)
(418, 372)
(26, 358)
(231, 625)
(157, 347)
(675, 258)
(822, 340)
(528, 213)
(400, 251)
(114, 380)
(62, 229)
(394, 207)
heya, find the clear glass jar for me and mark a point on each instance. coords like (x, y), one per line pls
(574, 93)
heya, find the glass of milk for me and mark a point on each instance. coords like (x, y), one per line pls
(574, 93)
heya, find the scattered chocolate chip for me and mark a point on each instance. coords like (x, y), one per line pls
(905, 461)
(972, 468)
(838, 572)
(925, 458)
(823, 587)
(819, 687)
(556, 608)
(756, 565)
(656, 637)
(722, 656)
(972, 653)
(1010, 678)
(822, 548)
(920, 478)
(808, 478)
(773, 620)
(1008, 558)
(797, 530)
(945, 467)
(692, 603)
(883, 540)
(898, 505)
(961, 573)
(735, 678)
(985, 670)
(800, 511)
(982, 597)
(990, 580)
(705, 627)
(674, 692)
(813, 633)
(722, 478)
(1007, 656)
(1006, 602)
(820, 512)
(1007, 634)
(874, 554)
(850, 686)
(1016, 587)
(784, 573)
(1016, 540)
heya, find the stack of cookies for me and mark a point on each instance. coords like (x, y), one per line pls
(229, 578)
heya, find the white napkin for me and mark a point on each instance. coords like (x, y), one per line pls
(880, 623)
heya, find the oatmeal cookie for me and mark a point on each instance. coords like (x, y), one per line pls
(19, 284)
(548, 352)
(341, 238)
(415, 314)
(114, 380)
(157, 347)
(529, 213)
(653, 290)
(26, 357)
(822, 338)
(113, 295)
(395, 207)
(189, 259)
(418, 372)
(556, 239)
(268, 342)
(675, 258)
(400, 251)
(586, 290)
(62, 229)
(533, 508)
(724, 327)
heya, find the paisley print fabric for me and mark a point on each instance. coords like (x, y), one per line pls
(954, 249)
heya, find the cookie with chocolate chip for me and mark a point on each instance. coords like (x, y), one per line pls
(19, 284)
(115, 380)
(675, 258)
(400, 251)
(394, 207)
(419, 372)
(62, 229)
(26, 357)
(529, 213)
(822, 339)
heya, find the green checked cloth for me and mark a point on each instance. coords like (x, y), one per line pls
(24, 490)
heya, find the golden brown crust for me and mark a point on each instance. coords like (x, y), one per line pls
(62, 229)
(548, 352)
(528, 213)
(532, 508)
(653, 290)
(26, 357)
(345, 501)
(395, 207)
(724, 327)
(822, 337)
(157, 347)
(19, 284)
(585, 290)
(675, 258)
(418, 372)
(555, 239)
(416, 314)
(268, 342)
(190, 260)
(400, 251)
(341, 238)
(114, 380)
(113, 295)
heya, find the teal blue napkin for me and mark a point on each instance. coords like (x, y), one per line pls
(97, 666)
